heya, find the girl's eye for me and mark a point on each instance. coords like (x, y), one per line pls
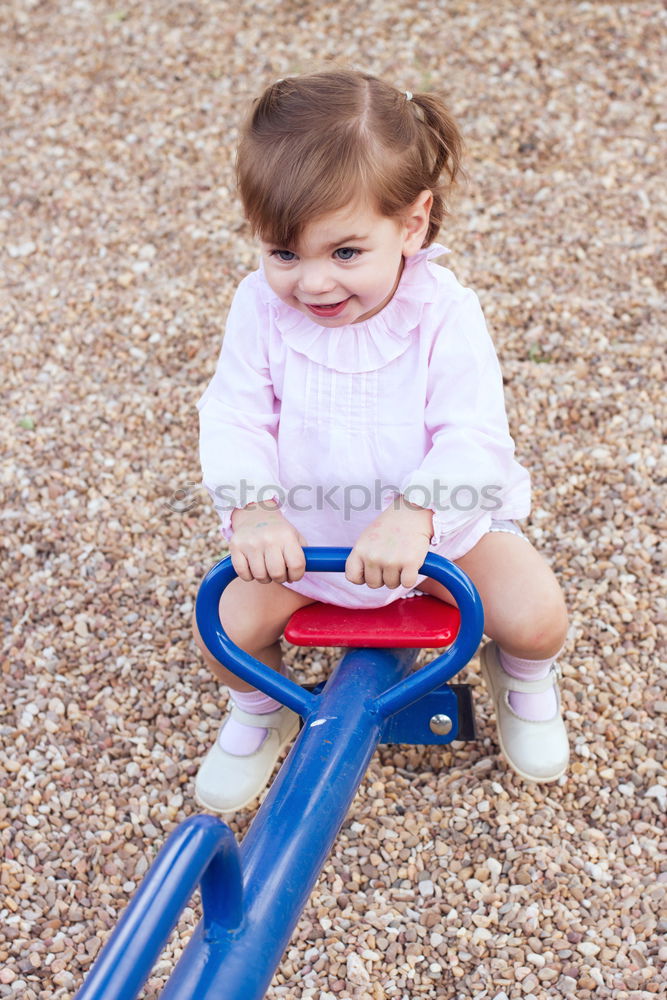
(347, 253)
(286, 256)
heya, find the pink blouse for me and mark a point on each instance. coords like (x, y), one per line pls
(336, 422)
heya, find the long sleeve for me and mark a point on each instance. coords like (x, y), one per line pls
(239, 415)
(469, 468)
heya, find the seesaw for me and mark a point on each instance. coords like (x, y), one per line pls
(254, 892)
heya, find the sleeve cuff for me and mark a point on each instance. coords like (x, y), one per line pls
(440, 527)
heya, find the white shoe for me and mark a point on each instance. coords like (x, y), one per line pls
(538, 751)
(225, 782)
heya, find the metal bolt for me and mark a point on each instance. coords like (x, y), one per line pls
(441, 724)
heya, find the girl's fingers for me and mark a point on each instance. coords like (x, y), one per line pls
(240, 564)
(408, 577)
(373, 575)
(392, 578)
(287, 563)
(278, 559)
(354, 568)
(295, 561)
(274, 561)
(258, 568)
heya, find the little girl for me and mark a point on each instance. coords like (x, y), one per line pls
(358, 402)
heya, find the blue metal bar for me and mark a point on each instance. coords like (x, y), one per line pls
(202, 849)
(464, 647)
(332, 560)
(237, 660)
(292, 834)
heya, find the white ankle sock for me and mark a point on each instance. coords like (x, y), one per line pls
(239, 739)
(535, 707)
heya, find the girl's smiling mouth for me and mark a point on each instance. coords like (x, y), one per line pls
(330, 309)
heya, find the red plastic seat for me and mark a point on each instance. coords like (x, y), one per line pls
(415, 621)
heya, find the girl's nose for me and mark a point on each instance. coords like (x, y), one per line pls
(315, 278)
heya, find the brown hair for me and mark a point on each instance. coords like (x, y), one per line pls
(313, 144)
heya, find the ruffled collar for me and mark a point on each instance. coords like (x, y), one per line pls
(367, 346)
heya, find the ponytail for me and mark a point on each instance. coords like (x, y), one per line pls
(443, 148)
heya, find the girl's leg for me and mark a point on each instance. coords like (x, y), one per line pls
(254, 616)
(525, 614)
(524, 609)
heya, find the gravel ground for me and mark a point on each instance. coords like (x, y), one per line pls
(122, 243)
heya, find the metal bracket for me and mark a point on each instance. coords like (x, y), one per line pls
(439, 717)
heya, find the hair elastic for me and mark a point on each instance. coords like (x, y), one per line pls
(408, 95)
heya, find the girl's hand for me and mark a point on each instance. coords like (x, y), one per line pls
(265, 546)
(390, 551)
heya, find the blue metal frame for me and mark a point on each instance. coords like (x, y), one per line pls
(202, 851)
(332, 560)
(234, 951)
(411, 724)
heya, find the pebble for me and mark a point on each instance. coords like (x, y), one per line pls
(494, 866)
(588, 948)
(122, 244)
(357, 973)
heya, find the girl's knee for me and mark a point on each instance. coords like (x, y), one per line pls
(238, 622)
(251, 615)
(542, 632)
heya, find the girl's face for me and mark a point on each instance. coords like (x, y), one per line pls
(347, 264)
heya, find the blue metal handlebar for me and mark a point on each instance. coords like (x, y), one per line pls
(203, 850)
(332, 560)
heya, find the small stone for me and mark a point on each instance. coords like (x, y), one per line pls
(658, 792)
(356, 971)
(588, 948)
(24, 249)
(64, 978)
(481, 934)
(494, 866)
